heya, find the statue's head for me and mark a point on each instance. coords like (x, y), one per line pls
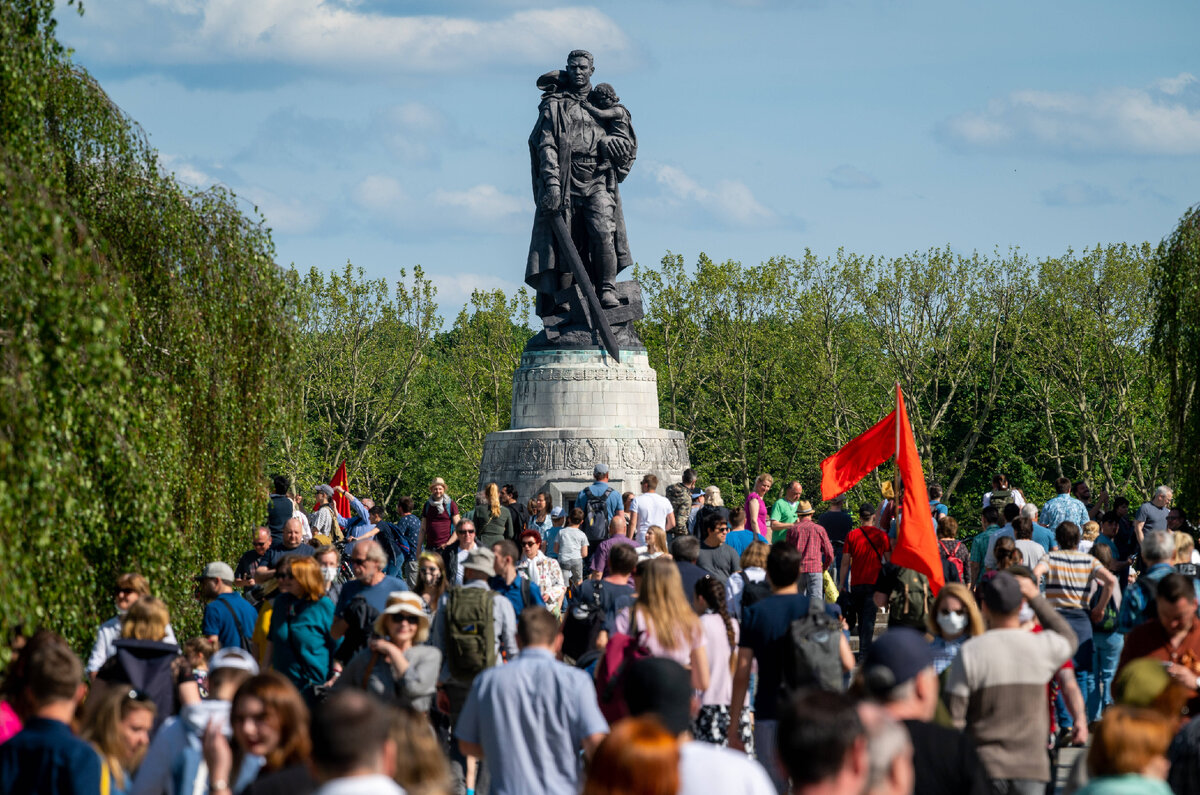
(579, 68)
(603, 96)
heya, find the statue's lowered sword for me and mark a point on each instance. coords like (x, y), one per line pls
(599, 319)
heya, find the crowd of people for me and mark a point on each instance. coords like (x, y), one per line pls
(638, 643)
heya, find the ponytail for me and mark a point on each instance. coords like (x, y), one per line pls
(713, 593)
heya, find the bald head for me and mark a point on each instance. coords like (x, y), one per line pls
(616, 527)
(293, 533)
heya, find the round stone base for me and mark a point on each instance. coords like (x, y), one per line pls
(560, 460)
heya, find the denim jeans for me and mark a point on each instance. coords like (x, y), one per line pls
(768, 754)
(1107, 648)
(813, 585)
(862, 601)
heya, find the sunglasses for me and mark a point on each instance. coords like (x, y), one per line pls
(529, 543)
(358, 561)
(405, 618)
(125, 591)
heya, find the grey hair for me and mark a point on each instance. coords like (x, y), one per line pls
(1158, 546)
(1029, 510)
(887, 740)
(374, 551)
(466, 522)
(1164, 491)
(713, 495)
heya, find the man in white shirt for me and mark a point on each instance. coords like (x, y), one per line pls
(650, 509)
(352, 753)
(662, 688)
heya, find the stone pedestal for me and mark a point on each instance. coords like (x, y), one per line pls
(574, 408)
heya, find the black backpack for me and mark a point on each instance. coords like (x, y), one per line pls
(1149, 589)
(809, 653)
(583, 623)
(595, 515)
(752, 592)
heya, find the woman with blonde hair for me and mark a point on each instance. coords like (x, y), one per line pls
(118, 725)
(397, 666)
(756, 508)
(431, 580)
(301, 644)
(639, 757)
(129, 588)
(493, 522)
(751, 579)
(656, 544)
(421, 766)
(1090, 531)
(143, 659)
(954, 619)
(1185, 554)
(663, 622)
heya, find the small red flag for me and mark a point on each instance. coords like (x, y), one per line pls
(341, 501)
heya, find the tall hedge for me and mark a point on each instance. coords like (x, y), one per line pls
(145, 332)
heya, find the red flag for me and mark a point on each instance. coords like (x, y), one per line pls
(862, 454)
(916, 541)
(341, 501)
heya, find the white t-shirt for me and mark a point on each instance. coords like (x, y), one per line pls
(705, 768)
(651, 509)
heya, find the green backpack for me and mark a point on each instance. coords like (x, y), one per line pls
(471, 632)
(910, 601)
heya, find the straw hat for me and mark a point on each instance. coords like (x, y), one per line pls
(407, 603)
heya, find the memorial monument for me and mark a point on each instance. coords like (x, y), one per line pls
(584, 392)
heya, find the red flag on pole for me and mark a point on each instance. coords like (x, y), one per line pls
(916, 541)
(341, 501)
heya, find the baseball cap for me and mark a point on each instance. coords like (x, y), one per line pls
(557, 512)
(895, 657)
(481, 560)
(217, 571)
(1002, 593)
(324, 488)
(600, 469)
(233, 657)
(662, 688)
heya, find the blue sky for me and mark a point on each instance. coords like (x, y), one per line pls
(393, 134)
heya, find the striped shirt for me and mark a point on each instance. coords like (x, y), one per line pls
(1068, 577)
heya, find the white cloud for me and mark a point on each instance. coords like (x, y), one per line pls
(1175, 85)
(484, 202)
(847, 177)
(340, 36)
(289, 215)
(454, 289)
(1077, 194)
(379, 193)
(728, 202)
(1160, 120)
(185, 171)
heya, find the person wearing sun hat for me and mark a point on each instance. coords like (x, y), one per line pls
(396, 665)
(816, 553)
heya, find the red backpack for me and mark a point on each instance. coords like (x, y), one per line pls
(953, 569)
(622, 649)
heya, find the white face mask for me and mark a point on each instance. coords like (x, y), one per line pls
(952, 623)
(1025, 614)
(329, 573)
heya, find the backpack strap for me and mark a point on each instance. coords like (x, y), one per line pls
(245, 639)
(526, 592)
(867, 536)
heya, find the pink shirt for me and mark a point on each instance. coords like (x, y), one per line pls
(682, 654)
(10, 724)
(756, 515)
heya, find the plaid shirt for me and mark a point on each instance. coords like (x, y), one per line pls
(816, 553)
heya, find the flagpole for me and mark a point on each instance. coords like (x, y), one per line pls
(897, 422)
